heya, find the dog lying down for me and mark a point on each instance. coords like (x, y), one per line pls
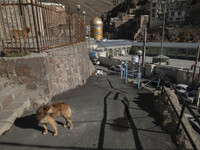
(46, 114)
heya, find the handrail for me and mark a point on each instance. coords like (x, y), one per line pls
(165, 80)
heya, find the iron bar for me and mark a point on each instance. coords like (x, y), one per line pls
(2, 38)
(51, 30)
(44, 25)
(181, 115)
(69, 17)
(30, 24)
(22, 23)
(16, 20)
(47, 25)
(7, 22)
(180, 118)
(4, 29)
(25, 23)
(34, 21)
(39, 26)
(11, 18)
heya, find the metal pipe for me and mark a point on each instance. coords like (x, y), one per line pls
(126, 71)
(139, 72)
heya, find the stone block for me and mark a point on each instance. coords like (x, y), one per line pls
(8, 99)
(37, 59)
(4, 127)
(19, 91)
(37, 71)
(5, 116)
(23, 70)
(1, 107)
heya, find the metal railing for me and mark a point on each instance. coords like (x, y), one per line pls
(165, 80)
(36, 26)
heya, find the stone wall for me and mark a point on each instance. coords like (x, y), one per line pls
(52, 72)
(169, 120)
(107, 62)
(178, 75)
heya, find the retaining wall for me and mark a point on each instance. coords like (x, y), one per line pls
(176, 75)
(52, 72)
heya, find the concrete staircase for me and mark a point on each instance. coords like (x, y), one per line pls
(14, 99)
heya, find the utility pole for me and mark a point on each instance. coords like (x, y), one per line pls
(144, 48)
(195, 65)
(163, 29)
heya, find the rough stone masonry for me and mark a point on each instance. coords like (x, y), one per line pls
(51, 72)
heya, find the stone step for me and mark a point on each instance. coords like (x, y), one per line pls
(15, 110)
(10, 94)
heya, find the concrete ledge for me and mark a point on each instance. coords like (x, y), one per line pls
(15, 110)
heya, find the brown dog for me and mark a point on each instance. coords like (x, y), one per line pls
(46, 114)
(17, 33)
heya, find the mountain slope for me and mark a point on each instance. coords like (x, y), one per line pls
(92, 7)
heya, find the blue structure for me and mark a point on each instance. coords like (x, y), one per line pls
(93, 55)
(125, 73)
(139, 73)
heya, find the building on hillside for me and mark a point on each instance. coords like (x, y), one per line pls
(174, 12)
(192, 9)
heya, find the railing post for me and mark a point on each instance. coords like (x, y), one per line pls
(121, 69)
(1, 31)
(69, 14)
(34, 21)
(126, 71)
(180, 118)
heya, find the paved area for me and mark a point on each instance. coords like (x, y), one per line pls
(106, 113)
(123, 42)
(181, 63)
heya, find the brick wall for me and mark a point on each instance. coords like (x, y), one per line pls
(52, 72)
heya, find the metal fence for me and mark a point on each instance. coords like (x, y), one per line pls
(165, 80)
(28, 25)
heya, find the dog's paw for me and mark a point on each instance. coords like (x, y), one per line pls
(55, 134)
(71, 128)
(65, 125)
(44, 133)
